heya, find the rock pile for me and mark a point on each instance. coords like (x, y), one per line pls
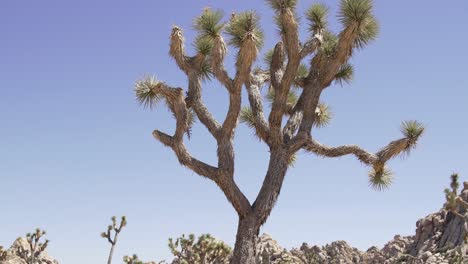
(440, 238)
(12, 256)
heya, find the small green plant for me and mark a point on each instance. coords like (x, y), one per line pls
(32, 254)
(453, 202)
(112, 234)
(206, 250)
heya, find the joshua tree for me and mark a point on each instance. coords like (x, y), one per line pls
(207, 250)
(32, 254)
(454, 202)
(135, 260)
(285, 77)
(112, 234)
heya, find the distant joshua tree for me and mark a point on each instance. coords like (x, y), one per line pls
(112, 234)
(206, 249)
(293, 90)
(454, 202)
(135, 260)
(32, 254)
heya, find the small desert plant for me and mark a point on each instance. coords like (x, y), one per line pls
(32, 254)
(112, 234)
(453, 202)
(206, 250)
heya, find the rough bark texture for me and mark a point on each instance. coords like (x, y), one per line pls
(246, 241)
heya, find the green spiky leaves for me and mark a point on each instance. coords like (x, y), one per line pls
(209, 23)
(242, 26)
(329, 43)
(412, 130)
(279, 5)
(380, 178)
(359, 12)
(317, 16)
(368, 32)
(354, 11)
(144, 92)
(323, 115)
(203, 45)
(345, 74)
(247, 117)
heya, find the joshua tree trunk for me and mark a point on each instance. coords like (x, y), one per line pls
(111, 253)
(329, 63)
(246, 239)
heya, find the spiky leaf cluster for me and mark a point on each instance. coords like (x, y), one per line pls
(242, 26)
(412, 130)
(247, 117)
(209, 23)
(144, 92)
(279, 5)
(345, 74)
(329, 43)
(205, 249)
(359, 12)
(317, 16)
(323, 115)
(380, 178)
(354, 11)
(203, 45)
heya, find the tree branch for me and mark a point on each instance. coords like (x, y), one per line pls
(177, 50)
(218, 53)
(195, 102)
(291, 41)
(255, 100)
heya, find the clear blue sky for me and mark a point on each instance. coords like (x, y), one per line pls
(75, 148)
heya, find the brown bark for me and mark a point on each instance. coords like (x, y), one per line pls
(246, 238)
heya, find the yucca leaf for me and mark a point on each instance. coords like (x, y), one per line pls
(345, 74)
(330, 41)
(243, 25)
(317, 16)
(354, 11)
(247, 117)
(323, 115)
(368, 31)
(144, 93)
(209, 23)
(380, 179)
(203, 45)
(412, 129)
(279, 5)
